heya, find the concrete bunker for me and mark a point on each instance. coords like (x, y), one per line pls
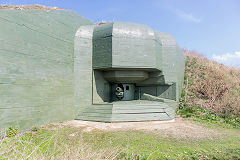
(52, 70)
(126, 72)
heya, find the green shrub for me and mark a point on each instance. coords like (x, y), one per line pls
(12, 131)
(127, 156)
(198, 113)
(35, 129)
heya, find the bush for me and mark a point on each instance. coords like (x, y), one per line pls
(35, 129)
(12, 131)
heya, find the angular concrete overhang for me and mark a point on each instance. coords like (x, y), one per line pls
(125, 76)
(125, 46)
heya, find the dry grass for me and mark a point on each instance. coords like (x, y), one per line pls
(28, 7)
(214, 86)
(53, 143)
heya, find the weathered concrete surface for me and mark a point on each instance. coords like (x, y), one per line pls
(36, 66)
(131, 54)
(48, 74)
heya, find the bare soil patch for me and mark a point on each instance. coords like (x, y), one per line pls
(177, 128)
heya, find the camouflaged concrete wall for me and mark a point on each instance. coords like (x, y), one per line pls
(128, 47)
(83, 91)
(39, 83)
(102, 48)
(133, 46)
(173, 61)
(36, 66)
(125, 45)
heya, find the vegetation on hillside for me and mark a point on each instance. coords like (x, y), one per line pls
(211, 91)
(28, 7)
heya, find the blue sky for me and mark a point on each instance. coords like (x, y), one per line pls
(211, 27)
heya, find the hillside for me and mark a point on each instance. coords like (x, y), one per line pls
(211, 90)
(28, 7)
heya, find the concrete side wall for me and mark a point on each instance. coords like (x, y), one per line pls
(83, 74)
(90, 86)
(101, 88)
(36, 66)
(168, 92)
(162, 91)
(102, 48)
(173, 61)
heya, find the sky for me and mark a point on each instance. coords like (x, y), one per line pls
(210, 27)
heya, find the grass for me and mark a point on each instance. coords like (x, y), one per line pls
(12, 131)
(204, 116)
(151, 146)
(61, 142)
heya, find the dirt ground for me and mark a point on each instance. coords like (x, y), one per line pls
(177, 128)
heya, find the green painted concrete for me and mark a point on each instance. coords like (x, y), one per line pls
(56, 66)
(137, 110)
(36, 66)
(126, 53)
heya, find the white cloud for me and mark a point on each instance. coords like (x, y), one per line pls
(229, 59)
(187, 16)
